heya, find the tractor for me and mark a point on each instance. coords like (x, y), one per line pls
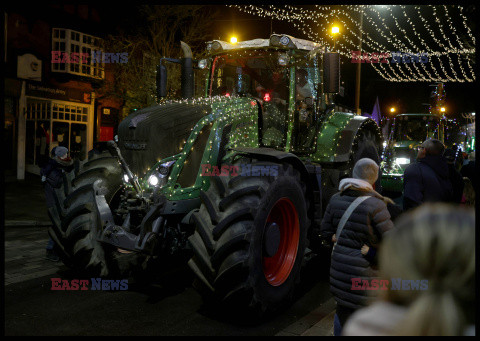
(237, 180)
(408, 131)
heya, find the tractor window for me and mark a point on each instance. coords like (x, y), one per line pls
(416, 128)
(257, 74)
(249, 73)
(305, 118)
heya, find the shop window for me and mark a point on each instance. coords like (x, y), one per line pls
(42, 143)
(78, 139)
(73, 44)
(61, 134)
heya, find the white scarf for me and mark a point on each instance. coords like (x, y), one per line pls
(361, 185)
(354, 184)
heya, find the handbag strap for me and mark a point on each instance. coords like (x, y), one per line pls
(347, 214)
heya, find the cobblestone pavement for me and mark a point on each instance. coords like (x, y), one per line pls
(25, 255)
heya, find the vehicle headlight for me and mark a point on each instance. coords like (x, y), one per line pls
(153, 180)
(160, 176)
(402, 161)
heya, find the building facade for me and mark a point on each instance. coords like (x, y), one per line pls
(55, 84)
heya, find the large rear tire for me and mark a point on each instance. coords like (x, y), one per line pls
(75, 223)
(250, 239)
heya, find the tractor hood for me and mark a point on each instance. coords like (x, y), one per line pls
(157, 132)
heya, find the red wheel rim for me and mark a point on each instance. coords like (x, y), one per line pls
(278, 267)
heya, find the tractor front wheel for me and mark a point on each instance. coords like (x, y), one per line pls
(250, 238)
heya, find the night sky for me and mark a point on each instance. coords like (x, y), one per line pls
(405, 96)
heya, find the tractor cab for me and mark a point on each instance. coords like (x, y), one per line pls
(283, 75)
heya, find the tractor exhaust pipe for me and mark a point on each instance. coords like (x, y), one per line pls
(187, 72)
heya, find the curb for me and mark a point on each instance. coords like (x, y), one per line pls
(27, 223)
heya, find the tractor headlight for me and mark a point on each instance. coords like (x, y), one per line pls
(402, 161)
(160, 175)
(153, 180)
(164, 169)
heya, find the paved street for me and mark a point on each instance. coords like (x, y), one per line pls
(32, 308)
(25, 255)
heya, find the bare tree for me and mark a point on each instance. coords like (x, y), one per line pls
(158, 36)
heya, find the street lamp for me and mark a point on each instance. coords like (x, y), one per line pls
(392, 110)
(335, 30)
(442, 109)
(233, 40)
(358, 72)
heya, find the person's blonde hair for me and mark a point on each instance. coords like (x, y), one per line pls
(435, 242)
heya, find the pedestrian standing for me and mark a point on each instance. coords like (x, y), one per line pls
(351, 227)
(431, 252)
(468, 170)
(427, 179)
(52, 178)
(468, 197)
(455, 177)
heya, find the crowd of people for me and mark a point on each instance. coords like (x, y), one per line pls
(405, 270)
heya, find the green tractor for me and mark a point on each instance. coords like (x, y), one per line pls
(407, 132)
(238, 180)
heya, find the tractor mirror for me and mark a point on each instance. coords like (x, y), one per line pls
(161, 80)
(331, 72)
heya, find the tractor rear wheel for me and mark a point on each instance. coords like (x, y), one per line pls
(250, 239)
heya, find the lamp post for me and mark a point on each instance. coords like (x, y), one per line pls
(335, 31)
(357, 89)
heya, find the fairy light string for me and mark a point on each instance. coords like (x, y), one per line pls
(448, 44)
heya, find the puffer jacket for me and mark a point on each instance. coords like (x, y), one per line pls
(366, 225)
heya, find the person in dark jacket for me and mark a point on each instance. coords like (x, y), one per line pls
(468, 170)
(365, 226)
(52, 178)
(455, 177)
(427, 179)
